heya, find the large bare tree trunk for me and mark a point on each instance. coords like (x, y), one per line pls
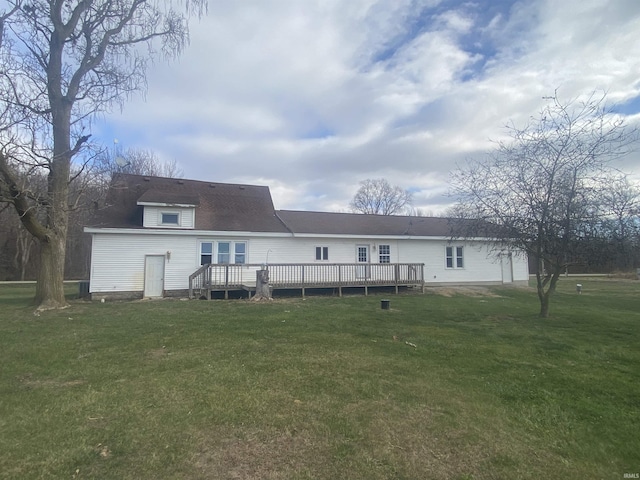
(50, 286)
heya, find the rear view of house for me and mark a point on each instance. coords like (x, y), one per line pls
(155, 233)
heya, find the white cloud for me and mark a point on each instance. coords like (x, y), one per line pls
(313, 97)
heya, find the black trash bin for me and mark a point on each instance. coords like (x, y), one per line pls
(385, 304)
(83, 288)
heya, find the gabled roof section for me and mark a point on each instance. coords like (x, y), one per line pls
(324, 223)
(218, 206)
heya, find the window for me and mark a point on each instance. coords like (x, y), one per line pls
(322, 253)
(240, 252)
(170, 218)
(455, 257)
(206, 253)
(384, 253)
(224, 252)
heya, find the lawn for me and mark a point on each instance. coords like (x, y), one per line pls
(471, 386)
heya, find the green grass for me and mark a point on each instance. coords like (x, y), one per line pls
(326, 387)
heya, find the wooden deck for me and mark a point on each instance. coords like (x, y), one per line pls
(302, 276)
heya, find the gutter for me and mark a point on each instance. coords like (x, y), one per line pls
(275, 212)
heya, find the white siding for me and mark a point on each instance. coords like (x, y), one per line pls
(117, 262)
(152, 216)
(480, 263)
(520, 268)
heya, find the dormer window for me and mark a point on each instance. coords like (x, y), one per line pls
(168, 209)
(172, 219)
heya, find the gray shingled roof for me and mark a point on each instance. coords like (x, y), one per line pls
(175, 198)
(221, 206)
(360, 224)
(249, 208)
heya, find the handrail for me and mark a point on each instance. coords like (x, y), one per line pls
(306, 275)
(196, 282)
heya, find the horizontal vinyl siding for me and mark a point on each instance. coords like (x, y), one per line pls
(302, 250)
(520, 268)
(152, 216)
(117, 261)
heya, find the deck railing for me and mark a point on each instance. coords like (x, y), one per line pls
(305, 275)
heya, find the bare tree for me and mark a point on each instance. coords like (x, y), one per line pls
(136, 161)
(539, 189)
(63, 62)
(622, 200)
(378, 196)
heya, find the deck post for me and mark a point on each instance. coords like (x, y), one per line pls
(207, 282)
(396, 274)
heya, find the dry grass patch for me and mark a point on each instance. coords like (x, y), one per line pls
(29, 382)
(258, 454)
(157, 353)
(466, 291)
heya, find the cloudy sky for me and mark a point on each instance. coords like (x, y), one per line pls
(310, 97)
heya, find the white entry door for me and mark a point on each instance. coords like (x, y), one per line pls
(153, 275)
(362, 256)
(507, 268)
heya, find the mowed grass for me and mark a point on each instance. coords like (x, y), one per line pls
(462, 386)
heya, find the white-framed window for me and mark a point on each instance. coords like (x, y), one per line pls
(170, 218)
(223, 252)
(454, 257)
(224, 255)
(384, 253)
(206, 253)
(322, 253)
(240, 252)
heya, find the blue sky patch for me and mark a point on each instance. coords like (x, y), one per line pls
(630, 107)
(317, 132)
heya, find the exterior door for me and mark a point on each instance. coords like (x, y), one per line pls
(153, 275)
(362, 256)
(507, 268)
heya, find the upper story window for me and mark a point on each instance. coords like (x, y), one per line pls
(384, 253)
(455, 257)
(167, 218)
(322, 253)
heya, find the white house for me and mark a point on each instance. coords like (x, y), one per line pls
(155, 232)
